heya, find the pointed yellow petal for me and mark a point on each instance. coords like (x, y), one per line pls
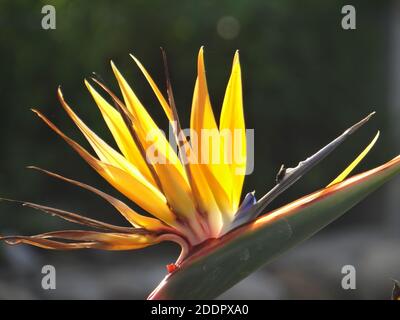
(202, 116)
(157, 92)
(135, 187)
(202, 123)
(356, 161)
(121, 134)
(232, 121)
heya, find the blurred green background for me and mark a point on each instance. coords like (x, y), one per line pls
(305, 80)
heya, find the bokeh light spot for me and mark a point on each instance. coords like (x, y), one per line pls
(228, 27)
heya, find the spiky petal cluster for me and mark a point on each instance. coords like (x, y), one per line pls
(190, 199)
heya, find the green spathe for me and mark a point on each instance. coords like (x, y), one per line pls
(224, 262)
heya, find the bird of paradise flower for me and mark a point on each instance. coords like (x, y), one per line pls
(195, 204)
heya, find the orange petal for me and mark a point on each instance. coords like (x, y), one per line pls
(85, 239)
(202, 118)
(131, 215)
(73, 217)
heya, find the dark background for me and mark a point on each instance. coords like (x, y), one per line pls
(305, 80)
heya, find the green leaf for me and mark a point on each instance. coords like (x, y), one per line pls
(221, 263)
